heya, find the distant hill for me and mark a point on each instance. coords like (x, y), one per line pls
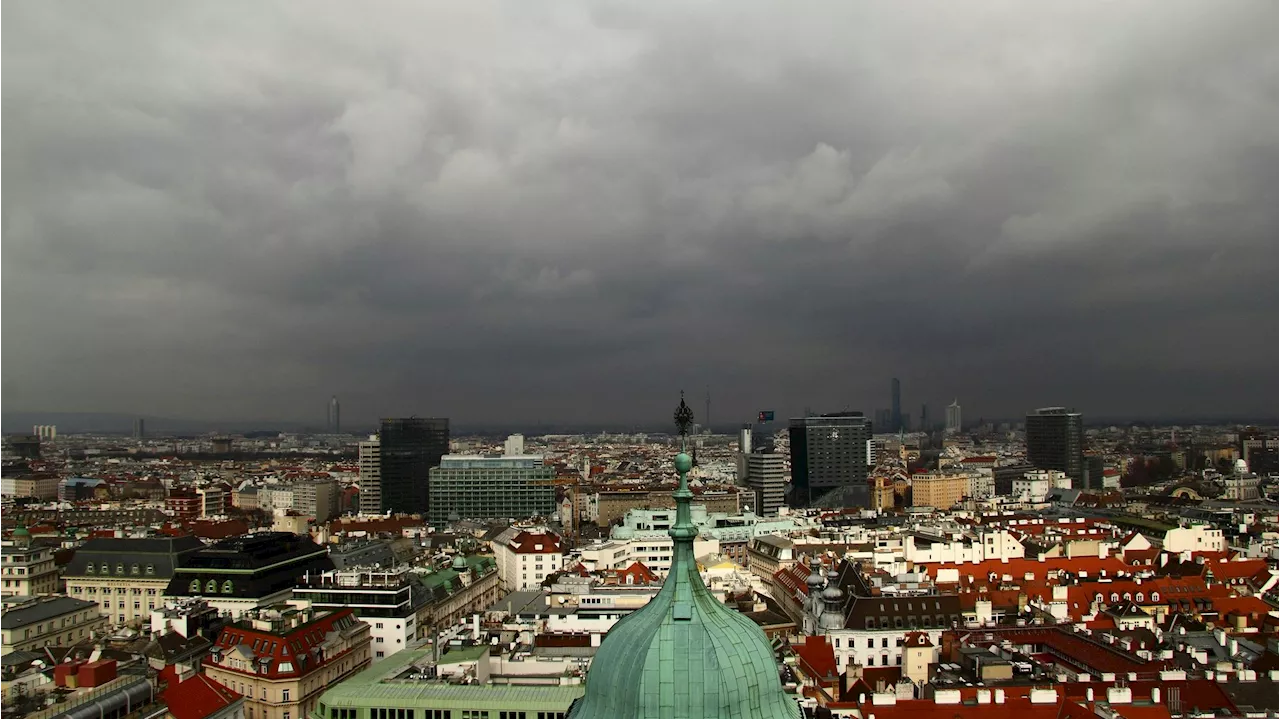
(114, 423)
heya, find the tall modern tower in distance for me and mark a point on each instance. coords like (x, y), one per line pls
(831, 452)
(1055, 440)
(335, 418)
(895, 397)
(953, 417)
(408, 449)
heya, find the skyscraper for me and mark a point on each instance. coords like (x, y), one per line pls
(1055, 440)
(370, 476)
(924, 418)
(408, 449)
(830, 452)
(953, 417)
(335, 423)
(767, 477)
(139, 428)
(895, 397)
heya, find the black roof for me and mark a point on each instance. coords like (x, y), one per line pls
(119, 557)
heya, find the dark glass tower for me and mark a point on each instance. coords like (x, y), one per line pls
(409, 448)
(1055, 440)
(830, 452)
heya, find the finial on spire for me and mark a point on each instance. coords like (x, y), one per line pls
(684, 420)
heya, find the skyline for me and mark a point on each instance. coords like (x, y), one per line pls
(499, 212)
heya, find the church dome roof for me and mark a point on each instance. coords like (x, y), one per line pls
(685, 654)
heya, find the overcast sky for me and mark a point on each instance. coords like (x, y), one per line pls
(554, 211)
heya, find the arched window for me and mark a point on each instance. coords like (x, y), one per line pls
(227, 587)
(195, 585)
(211, 586)
(1127, 596)
(1155, 596)
(1115, 597)
(1097, 597)
(1139, 596)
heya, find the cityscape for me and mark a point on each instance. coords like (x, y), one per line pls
(613, 360)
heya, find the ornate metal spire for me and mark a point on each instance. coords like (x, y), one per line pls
(684, 420)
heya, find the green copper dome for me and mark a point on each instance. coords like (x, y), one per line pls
(684, 654)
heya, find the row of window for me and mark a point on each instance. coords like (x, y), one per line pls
(211, 587)
(133, 569)
(379, 713)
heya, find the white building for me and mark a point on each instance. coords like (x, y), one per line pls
(953, 417)
(654, 552)
(514, 446)
(526, 557)
(1035, 486)
(925, 547)
(1196, 538)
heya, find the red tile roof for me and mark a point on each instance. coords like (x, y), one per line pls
(530, 543)
(299, 648)
(197, 698)
(817, 659)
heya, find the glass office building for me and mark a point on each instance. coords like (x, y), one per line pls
(480, 487)
(408, 449)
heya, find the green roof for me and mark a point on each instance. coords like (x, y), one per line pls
(377, 687)
(684, 654)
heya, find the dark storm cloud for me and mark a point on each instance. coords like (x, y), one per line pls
(520, 211)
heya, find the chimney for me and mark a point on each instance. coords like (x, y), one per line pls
(1155, 695)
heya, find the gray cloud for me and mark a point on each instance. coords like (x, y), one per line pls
(561, 212)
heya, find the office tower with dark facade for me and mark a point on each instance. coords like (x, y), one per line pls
(408, 449)
(1055, 440)
(895, 397)
(335, 416)
(830, 452)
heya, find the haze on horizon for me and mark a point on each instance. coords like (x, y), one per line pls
(565, 212)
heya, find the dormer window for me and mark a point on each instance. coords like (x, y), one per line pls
(227, 587)
(135, 569)
(90, 568)
(195, 586)
(211, 586)
(106, 568)
(151, 569)
(119, 569)
(1155, 596)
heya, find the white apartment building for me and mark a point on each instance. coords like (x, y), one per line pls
(924, 547)
(653, 552)
(1196, 538)
(1035, 486)
(526, 557)
(27, 571)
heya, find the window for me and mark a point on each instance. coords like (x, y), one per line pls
(884, 643)
(227, 587)
(380, 655)
(120, 568)
(285, 715)
(105, 569)
(871, 644)
(89, 568)
(284, 696)
(151, 569)
(1155, 596)
(211, 586)
(135, 569)
(195, 585)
